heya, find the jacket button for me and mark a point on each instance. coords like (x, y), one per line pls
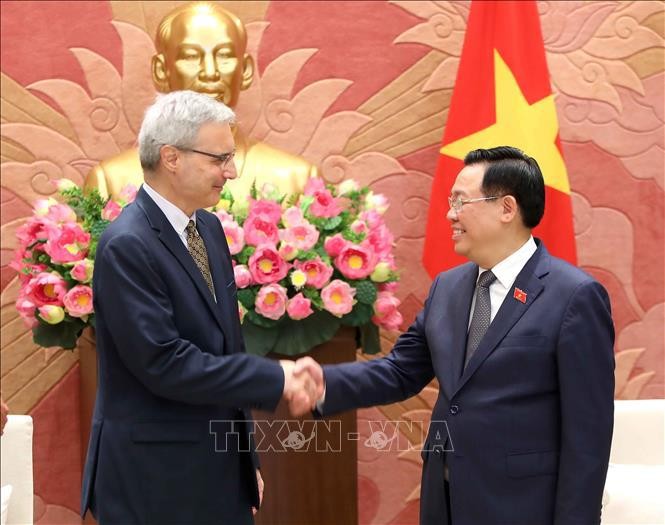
(454, 409)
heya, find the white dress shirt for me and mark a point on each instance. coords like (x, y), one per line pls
(506, 272)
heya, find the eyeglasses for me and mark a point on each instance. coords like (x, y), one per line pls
(223, 158)
(457, 203)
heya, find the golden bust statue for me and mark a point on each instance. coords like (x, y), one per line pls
(202, 47)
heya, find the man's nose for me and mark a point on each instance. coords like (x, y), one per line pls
(209, 70)
(451, 215)
(229, 171)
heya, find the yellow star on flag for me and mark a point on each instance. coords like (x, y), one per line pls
(531, 128)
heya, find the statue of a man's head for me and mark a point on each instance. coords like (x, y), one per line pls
(202, 47)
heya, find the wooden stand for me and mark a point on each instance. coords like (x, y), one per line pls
(303, 487)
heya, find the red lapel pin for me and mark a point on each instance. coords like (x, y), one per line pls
(520, 295)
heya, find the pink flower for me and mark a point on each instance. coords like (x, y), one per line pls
(65, 184)
(355, 261)
(271, 209)
(66, 243)
(111, 211)
(376, 201)
(26, 271)
(386, 314)
(82, 270)
(266, 265)
(325, 205)
(46, 288)
(242, 276)
(235, 236)
(260, 229)
(318, 272)
(51, 313)
(381, 241)
(61, 214)
(302, 236)
(338, 297)
(287, 251)
(388, 287)
(299, 307)
(333, 245)
(127, 194)
(292, 217)
(359, 226)
(372, 218)
(42, 206)
(35, 229)
(26, 309)
(314, 184)
(78, 301)
(271, 301)
(224, 216)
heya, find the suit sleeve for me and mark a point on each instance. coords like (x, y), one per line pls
(401, 374)
(585, 358)
(141, 322)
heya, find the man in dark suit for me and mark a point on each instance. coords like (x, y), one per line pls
(521, 344)
(171, 438)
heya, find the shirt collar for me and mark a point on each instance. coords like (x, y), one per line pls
(176, 217)
(507, 270)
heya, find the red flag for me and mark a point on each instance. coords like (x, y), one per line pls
(502, 97)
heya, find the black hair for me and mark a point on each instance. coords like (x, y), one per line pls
(512, 172)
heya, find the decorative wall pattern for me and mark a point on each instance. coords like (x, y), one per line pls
(361, 89)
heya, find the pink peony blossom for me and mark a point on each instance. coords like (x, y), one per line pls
(51, 313)
(359, 226)
(235, 236)
(26, 309)
(271, 209)
(356, 261)
(287, 251)
(65, 184)
(26, 271)
(271, 301)
(299, 307)
(60, 214)
(292, 217)
(318, 272)
(381, 241)
(302, 236)
(266, 265)
(372, 218)
(46, 288)
(42, 206)
(314, 185)
(388, 287)
(35, 229)
(127, 194)
(66, 243)
(78, 301)
(111, 211)
(338, 297)
(260, 229)
(224, 216)
(333, 245)
(82, 270)
(242, 276)
(376, 201)
(386, 314)
(325, 205)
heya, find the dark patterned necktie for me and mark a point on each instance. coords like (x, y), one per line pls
(482, 313)
(198, 252)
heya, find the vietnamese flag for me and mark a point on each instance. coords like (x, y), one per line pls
(502, 97)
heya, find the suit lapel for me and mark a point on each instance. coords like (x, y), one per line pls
(168, 236)
(528, 280)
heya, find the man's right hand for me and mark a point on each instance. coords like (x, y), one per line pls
(303, 384)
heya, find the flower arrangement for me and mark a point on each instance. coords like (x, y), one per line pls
(309, 263)
(304, 264)
(54, 259)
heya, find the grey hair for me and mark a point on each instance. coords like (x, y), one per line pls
(175, 119)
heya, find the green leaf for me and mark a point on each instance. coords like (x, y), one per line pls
(332, 223)
(259, 320)
(365, 291)
(369, 338)
(299, 337)
(360, 315)
(64, 334)
(258, 340)
(245, 254)
(247, 296)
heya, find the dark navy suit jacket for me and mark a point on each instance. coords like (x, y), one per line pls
(169, 443)
(529, 421)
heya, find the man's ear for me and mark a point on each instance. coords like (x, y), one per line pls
(509, 208)
(169, 157)
(247, 71)
(159, 75)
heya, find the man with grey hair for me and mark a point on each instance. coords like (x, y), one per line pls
(171, 435)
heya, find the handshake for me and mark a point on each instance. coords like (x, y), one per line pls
(303, 384)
